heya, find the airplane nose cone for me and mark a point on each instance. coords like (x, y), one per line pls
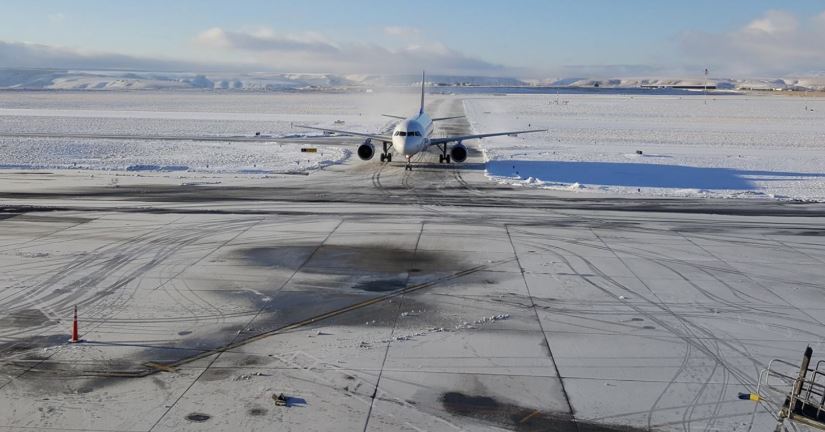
(403, 146)
(398, 145)
(409, 147)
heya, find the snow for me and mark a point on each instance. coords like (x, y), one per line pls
(652, 320)
(729, 146)
(734, 146)
(787, 83)
(176, 114)
(62, 79)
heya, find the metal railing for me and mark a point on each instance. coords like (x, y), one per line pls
(801, 389)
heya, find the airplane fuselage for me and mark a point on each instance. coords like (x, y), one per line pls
(412, 135)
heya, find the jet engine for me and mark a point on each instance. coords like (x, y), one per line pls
(366, 150)
(458, 153)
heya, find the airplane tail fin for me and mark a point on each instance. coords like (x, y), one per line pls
(423, 76)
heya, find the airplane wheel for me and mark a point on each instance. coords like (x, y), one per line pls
(389, 157)
(440, 158)
(383, 157)
(447, 158)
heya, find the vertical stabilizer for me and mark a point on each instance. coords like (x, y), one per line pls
(423, 76)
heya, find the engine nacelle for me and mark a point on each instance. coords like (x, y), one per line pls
(458, 153)
(366, 151)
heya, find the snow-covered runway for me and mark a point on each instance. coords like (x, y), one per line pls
(376, 298)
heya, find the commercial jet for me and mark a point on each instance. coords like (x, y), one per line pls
(413, 135)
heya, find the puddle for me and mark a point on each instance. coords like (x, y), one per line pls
(381, 285)
(198, 417)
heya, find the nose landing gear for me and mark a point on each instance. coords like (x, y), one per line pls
(408, 167)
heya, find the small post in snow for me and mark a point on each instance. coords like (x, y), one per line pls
(706, 86)
(75, 336)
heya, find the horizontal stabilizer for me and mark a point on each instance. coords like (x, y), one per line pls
(394, 116)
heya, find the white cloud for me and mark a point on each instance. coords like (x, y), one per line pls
(265, 40)
(774, 22)
(314, 51)
(776, 43)
(28, 55)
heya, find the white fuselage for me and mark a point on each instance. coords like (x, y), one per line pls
(412, 135)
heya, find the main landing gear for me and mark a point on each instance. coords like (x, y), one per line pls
(386, 156)
(443, 157)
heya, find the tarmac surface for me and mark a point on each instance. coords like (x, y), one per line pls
(375, 298)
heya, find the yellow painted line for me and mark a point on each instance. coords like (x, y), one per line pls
(533, 414)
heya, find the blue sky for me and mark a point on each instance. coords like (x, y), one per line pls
(527, 38)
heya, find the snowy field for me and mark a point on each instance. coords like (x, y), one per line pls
(730, 146)
(722, 146)
(175, 114)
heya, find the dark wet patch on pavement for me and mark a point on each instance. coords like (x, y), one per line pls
(25, 318)
(369, 268)
(257, 411)
(511, 416)
(198, 417)
(31, 343)
(338, 259)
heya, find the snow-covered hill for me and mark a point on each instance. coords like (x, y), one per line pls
(807, 83)
(56, 79)
(63, 79)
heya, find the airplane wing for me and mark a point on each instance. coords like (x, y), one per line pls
(445, 140)
(236, 138)
(447, 118)
(394, 116)
(383, 138)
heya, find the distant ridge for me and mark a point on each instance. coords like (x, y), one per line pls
(65, 79)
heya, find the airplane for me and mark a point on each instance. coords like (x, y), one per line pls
(413, 135)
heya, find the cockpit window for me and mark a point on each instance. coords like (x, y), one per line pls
(403, 133)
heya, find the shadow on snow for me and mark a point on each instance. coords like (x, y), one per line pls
(639, 174)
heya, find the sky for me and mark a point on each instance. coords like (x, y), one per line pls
(525, 39)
